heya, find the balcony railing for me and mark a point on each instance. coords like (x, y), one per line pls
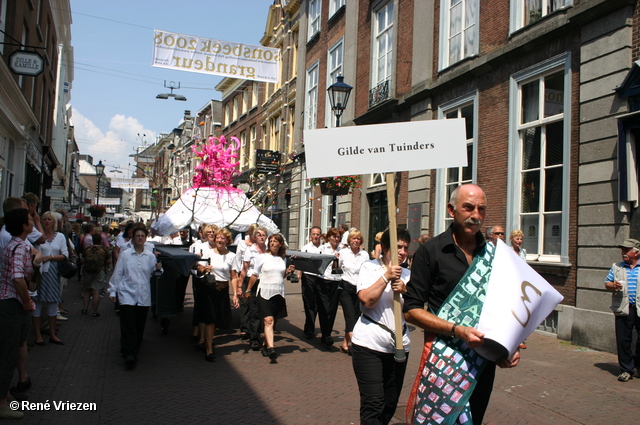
(379, 93)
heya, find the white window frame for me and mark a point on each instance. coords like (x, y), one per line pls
(335, 62)
(466, 27)
(386, 36)
(514, 180)
(311, 96)
(254, 94)
(306, 209)
(441, 201)
(253, 144)
(334, 6)
(517, 20)
(315, 8)
(378, 179)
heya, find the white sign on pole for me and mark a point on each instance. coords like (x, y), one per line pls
(384, 148)
(216, 57)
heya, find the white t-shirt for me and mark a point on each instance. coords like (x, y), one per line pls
(250, 256)
(327, 250)
(221, 263)
(351, 263)
(271, 270)
(368, 334)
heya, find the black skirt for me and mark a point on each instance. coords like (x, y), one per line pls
(275, 307)
(214, 306)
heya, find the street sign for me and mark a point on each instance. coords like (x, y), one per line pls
(55, 193)
(267, 161)
(60, 205)
(23, 62)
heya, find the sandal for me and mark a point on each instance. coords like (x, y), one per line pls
(347, 351)
(84, 312)
(96, 314)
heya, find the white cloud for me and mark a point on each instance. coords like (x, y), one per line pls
(113, 147)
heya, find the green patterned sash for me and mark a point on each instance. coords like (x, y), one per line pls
(449, 368)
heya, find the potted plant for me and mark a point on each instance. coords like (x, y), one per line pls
(97, 210)
(339, 185)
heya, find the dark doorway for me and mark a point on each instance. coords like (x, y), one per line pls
(378, 216)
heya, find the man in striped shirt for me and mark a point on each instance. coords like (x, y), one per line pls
(622, 280)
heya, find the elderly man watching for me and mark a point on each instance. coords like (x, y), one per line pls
(622, 280)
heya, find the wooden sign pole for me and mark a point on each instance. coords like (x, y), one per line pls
(400, 355)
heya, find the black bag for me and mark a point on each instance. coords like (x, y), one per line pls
(68, 268)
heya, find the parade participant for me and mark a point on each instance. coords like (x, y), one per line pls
(131, 283)
(438, 267)
(15, 301)
(250, 256)
(379, 375)
(327, 288)
(54, 250)
(271, 269)
(622, 280)
(96, 259)
(516, 243)
(215, 310)
(197, 282)
(351, 260)
(240, 286)
(309, 283)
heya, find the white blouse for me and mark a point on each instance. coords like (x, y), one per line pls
(327, 250)
(351, 263)
(58, 245)
(270, 269)
(221, 263)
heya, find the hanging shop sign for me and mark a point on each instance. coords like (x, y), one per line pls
(23, 62)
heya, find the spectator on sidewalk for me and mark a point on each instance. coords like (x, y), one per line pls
(131, 283)
(497, 232)
(15, 301)
(622, 280)
(95, 261)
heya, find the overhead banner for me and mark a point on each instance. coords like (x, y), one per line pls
(385, 148)
(130, 183)
(209, 56)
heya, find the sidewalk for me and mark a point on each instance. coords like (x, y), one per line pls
(554, 383)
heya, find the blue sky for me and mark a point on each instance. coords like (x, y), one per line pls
(114, 89)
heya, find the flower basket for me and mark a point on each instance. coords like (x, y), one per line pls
(336, 186)
(97, 210)
(334, 191)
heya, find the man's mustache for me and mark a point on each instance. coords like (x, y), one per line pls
(472, 220)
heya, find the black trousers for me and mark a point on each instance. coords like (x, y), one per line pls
(12, 316)
(328, 299)
(350, 304)
(244, 309)
(479, 400)
(309, 293)
(380, 380)
(624, 337)
(181, 290)
(133, 319)
(254, 322)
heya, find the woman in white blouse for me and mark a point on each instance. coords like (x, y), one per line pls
(271, 268)
(258, 248)
(54, 250)
(218, 273)
(351, 260)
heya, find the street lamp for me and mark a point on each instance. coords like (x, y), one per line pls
(171, 86)
(338, 97)
(99, 173)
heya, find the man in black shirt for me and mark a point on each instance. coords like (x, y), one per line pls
(437, 267)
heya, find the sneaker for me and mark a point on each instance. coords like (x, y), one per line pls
(7, 412)
(130, 362)
(61, 318)
(24, 386)
(624, 377)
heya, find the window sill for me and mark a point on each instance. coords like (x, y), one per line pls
(558, 269)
